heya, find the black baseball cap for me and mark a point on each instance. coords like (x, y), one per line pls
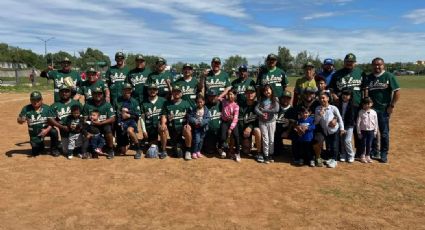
(212, 92)
(35, 95)
(119, 55)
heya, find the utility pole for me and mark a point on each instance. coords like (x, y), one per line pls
(45, 47)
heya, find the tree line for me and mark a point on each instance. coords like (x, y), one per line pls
(91, 57)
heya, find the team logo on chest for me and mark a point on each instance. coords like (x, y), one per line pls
(272, 79)
(117, 77)
(138, 80)
(154, 111)
(37, 119)
(215, 83)
(215, 115)
(63, 112)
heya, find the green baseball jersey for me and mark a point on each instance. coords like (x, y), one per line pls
(350, 79)
(132, 104)
(380, 89)
(160, 79)
(87, 87)
(62, 110)
(215, 122)
(58, 75)
(115, 78)
(218, 82)
(247, 116)
(189, 89)
(176, 113)
(75, 124)
(303, 83)
(276, 78)
(137, 78)
(37, 120)
(240, 85)
(151, 111)
(105, 109)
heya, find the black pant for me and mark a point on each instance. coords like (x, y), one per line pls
(224, 127)
(38, 146)
(302, 150)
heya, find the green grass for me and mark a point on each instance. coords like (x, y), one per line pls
(25, 85)
(412, 82)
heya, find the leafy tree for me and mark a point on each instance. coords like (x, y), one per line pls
(234, 62)
(285, 59)
(92, 56)
(56, 58)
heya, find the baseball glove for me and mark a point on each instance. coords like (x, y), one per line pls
(69, 82)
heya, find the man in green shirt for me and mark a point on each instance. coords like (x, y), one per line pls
(61, 110)
(174, 124)
(106, 118)
(151, 110)
(59, 76)
(188, 85)
(242, 83)
(128, 113)
(91, 83)
(116, 75)
(138, 77)
(36, 115)
(161, 78)
(383, 88)
(305, 82)
(273, 76)
(349, 77)
(215, 79)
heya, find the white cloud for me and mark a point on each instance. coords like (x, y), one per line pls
(186, 35)
(319, 15)
(417, 16)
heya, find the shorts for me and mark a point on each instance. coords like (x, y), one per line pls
(105, 129)
(176, 135)
(153, 133)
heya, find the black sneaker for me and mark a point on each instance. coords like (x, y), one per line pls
(138, 155)
(163, 155)
(179, 152)
(55, 152)
(111, 154)
(266, 159)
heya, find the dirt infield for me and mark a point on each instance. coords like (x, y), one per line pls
(56, 193)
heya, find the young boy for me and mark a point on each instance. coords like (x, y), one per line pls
(303, 141)
(36, 115)
(92, 133)
(74, 122)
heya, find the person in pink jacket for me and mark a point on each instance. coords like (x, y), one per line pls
(228, 127)
(367, 128)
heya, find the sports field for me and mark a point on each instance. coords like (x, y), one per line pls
(56, 193)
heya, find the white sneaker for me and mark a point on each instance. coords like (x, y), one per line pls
(332, 163)
(238, 157)
(342, 159)
(70, 157)
(350, 159)
(312, 163)
(187, 156)
(222, 153)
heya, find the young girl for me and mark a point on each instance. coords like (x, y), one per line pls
(324, 117)
(303, 149)
(267, 110)
(74, 122)
(347, 108)
(198, 119)
(367, 128)
(229, 120)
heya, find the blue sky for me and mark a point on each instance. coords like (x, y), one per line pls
(194, 31)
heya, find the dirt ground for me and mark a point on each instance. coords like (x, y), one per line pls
(56, 193)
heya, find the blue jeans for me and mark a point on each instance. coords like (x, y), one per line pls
(198, 139)
(366, 142)
(384, 130)
(97, 141)
(346, 146)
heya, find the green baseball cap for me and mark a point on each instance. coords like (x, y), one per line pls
(161, 60)
(308, 64)
(177, 88)
(35, 95)
(97, 90)
(152, 86)
(271, 57)
(250, 88)
(187, 65)
(139, 57)
(127, 86)
(119, 55)
(65, 59)
(287, 93)
(91, 70)
(64, 87)
(216, 59)
(350, 57)
(310, 90)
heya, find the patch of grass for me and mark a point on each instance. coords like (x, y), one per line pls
(24, 85)
(412, 82)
